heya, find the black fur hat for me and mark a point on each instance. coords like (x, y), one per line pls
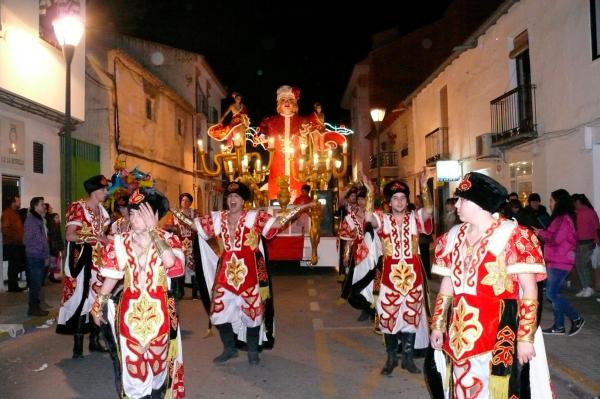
(482, 190)
(393, 187)
(235, 187)
(362, 192)
(158, 202)
(186, 195)
(95, 183)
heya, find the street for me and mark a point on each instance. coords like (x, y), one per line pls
(321, 351)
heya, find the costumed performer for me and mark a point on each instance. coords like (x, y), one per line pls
(361, 256)
(401, 303)
(86, 224)
(492, 347)
(144, 323)
(241, 293)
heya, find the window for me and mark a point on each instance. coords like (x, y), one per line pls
(595, 23)
(214, 115)
(150, 108)
(38, 157)
(180, 126)
(520, 179)
(201, 100)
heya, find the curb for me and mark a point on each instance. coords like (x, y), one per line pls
(31, 323)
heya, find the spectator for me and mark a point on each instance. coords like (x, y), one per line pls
(425, 240)
(513, 210)
(451, 217)
(56, 244)
(560, 240)
(534, 215)
(513, 196)
(587, 238)
(12, 235)
(37, 252)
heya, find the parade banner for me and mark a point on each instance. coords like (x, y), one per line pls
(12, 143)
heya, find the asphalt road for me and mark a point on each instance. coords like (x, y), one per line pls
(321, 351)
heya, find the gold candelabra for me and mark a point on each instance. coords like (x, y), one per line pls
(249, 167)
(318, 166)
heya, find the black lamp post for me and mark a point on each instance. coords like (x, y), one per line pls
(68, 30)
(377, 114)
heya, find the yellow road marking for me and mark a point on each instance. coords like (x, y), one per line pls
(328, 389)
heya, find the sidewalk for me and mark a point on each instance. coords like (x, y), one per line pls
(575, 359)
(14, 306)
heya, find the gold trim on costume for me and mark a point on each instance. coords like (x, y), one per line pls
(465, 329)
(403, 276)
(527, 320)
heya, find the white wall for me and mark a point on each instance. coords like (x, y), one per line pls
(45, 184)
(567, 96)
(34, 69)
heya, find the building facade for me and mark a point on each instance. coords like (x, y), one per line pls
(32, 99)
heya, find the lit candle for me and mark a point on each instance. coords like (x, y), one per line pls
(271, 142)
(257, 166)
(303, 148)
(230, 166)
(329, 153)
(201, 144)
(301, 164)
(316, 161)
(344, 146)
(338, 164)
(223, 147)
(245, 163)
(236, 139)
(328, 163)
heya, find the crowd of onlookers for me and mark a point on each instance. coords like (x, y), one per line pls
(32, 243)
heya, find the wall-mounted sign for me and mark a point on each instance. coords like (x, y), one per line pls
(12, 143)
(448, 171)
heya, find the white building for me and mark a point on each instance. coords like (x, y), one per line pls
(518, 101)
(32, 101)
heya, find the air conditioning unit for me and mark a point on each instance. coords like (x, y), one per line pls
(484, 148)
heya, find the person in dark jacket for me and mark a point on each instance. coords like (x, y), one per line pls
(56, 244)
(534, 215)
(37, 252)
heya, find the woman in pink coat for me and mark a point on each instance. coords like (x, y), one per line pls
(560, 240)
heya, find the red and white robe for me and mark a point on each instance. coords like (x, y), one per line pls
(401, 290)
(478, 341)
(144, 322)
(82, 265)
(238, 277)
(366, 250)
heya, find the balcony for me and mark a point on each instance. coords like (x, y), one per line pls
(513, 117)
(436, 146)
(385, 159)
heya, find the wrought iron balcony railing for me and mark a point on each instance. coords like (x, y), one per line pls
(513, 116)
(436, 146)
(385, 159)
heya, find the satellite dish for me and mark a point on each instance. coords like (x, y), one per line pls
(157, 58)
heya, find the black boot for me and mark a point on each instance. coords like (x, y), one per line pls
(195, 288)
(96, 344)
(408, 353)
(78, 346)
(228, 339)
(252, 337)
(391, 347)
(364, 315)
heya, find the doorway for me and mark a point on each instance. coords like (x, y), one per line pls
(11, 186)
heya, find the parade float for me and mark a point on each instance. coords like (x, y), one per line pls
(275, 159)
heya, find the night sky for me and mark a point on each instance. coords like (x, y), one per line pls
(256, 46)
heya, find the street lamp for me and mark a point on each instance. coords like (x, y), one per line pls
(377, 114)
(68, 30)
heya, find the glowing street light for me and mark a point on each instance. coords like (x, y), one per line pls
(377, 114)
(68, 30)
